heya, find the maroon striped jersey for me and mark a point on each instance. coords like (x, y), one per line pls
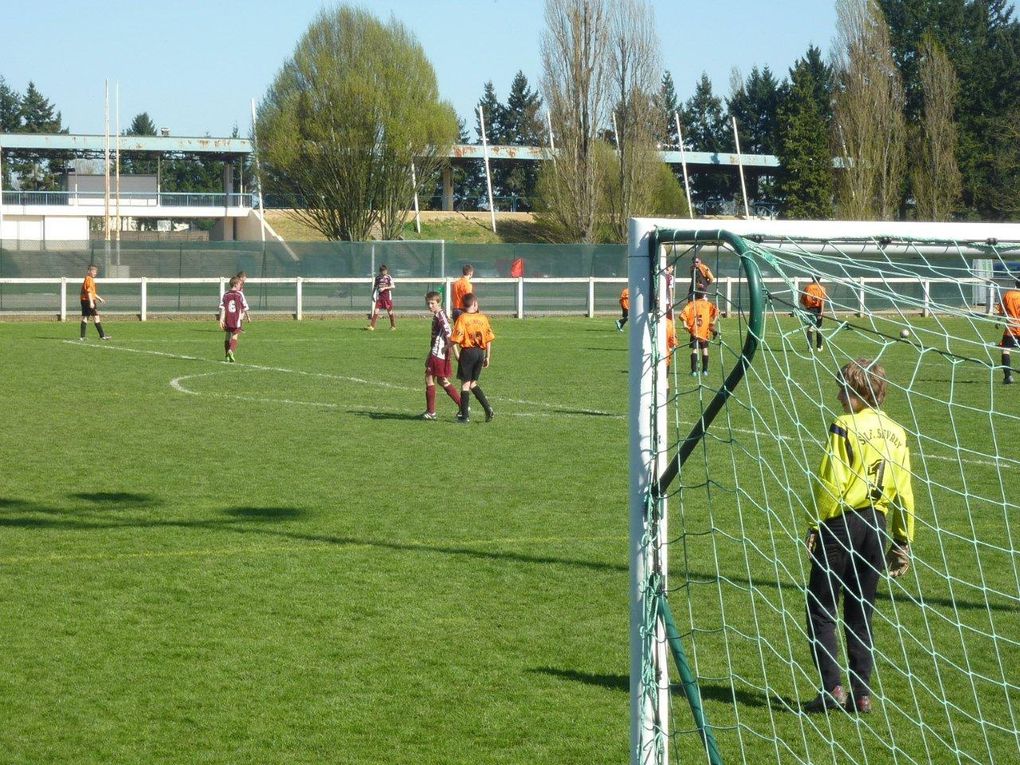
(440, 335)
(232, 305)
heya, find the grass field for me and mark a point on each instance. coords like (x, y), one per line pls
(277, 561)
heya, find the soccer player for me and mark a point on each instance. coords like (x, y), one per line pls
(437, 365)
(242, 276)
(812, 299)
(624, 308)
(701, 278)
(461, 287)
(863, 485)
(699, 317)
(89, 304)
(472, 338)
(1008, 307)
(232, 311)
(382, 297)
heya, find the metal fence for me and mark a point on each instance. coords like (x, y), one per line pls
(300, 297)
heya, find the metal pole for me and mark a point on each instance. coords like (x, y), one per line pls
(683, 164)
(106, 171)
(258, 178)
(740, 166)
(117, 185)
(414, 183)
(552, 143)
(488, 177)
(1, 196)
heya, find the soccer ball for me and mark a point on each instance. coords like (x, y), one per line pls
(904, 333)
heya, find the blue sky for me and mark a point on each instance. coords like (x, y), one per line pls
(195, 65)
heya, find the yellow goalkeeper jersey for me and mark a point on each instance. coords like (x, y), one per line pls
(866, 463)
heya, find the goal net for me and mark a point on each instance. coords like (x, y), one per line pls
(723, 466)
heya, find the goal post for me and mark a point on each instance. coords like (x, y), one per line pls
(721, 465)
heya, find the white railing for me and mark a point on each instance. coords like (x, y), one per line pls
(725, 294)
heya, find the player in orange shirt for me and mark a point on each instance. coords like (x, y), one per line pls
(671, 342)
(624, 308)
(812, 299)
(90, 301)
(701, 278)
(699, 317)
(1009, 307)
(461, 287)
(472, 344)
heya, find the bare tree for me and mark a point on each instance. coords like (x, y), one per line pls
(636, 65)
(936, 176)
(575, 75)
(870, 127)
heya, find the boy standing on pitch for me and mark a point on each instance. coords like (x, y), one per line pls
(382, 297)
(1009, 307)
(90, 303)
(461, 287)
(624, 308)
(232, 311)
(438, 365)
(472, 338)
(863, 484)
(813, 301)
(699, 317)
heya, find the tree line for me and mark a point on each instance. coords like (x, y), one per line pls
(354, 124)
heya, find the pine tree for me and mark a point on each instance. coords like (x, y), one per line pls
(705, 129)
(522, 126)
(806, 181)
(668, 104)
(38, 172)
(10, 122)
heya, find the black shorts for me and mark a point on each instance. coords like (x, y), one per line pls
(1009, 341)
(87, 310)
(696, 343)
(815, 316)
(470, 367)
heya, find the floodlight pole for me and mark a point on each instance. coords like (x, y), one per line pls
(414, 183)
(258, 175)
(106, 172)
(740, 166)
(117, 183)
(1, 195)
(683, 164)
(488, 177)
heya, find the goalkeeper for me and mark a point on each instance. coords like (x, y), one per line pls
(863, 484)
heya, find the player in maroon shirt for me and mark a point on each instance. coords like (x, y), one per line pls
(382, 297)
(438, 365)
(232, 308)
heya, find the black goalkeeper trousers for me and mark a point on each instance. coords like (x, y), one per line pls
(847, 562)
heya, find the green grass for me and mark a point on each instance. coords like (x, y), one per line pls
(276, 561)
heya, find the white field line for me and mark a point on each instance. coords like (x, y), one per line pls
(379, 383)
(326, 376)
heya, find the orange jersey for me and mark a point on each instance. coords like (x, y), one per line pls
(699, 318)
(88, 289)
(472, 330)
(625, 299)
(1010, 308)
(461, 287)
(671, 341)
(814, 296)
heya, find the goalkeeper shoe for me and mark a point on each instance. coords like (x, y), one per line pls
(859, 704)
(826, 700)
(489, 415)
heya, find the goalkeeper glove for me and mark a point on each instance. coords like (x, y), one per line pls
(897, 560)
(811, 540)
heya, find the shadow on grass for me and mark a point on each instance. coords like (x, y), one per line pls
(723, 694)
(383, 415)
(113, 500)
(242, 520)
